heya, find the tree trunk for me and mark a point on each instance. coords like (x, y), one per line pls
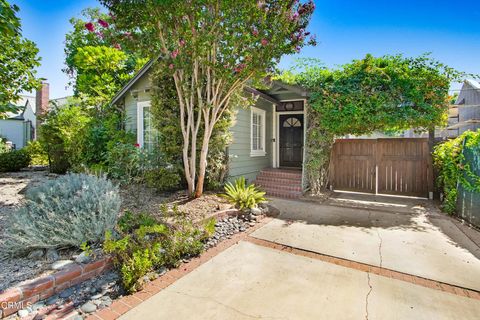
(203, 162)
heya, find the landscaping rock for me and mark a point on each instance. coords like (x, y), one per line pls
(36, 254)
(66, 293)
(23, 313)
(60, 264)
(82, 258)
(256, 211)
(52, 255)
(88, 307)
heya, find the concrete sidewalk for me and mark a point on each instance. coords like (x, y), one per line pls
(398, 236)
(250, 281)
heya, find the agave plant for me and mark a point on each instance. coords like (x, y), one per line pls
(243, 196)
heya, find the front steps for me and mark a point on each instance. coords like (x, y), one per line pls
(282, 183)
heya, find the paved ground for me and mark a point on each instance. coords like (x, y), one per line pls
(255, 280)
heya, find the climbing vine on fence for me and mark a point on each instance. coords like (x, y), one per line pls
(368, 95)
(452, 168)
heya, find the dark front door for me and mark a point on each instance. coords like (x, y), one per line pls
(291, 140)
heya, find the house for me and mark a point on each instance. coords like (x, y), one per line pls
(21, 127)
(466, 111)
(268, 139)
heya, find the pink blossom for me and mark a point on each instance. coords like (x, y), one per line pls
(264, 42)
(89, 26)
(294, 16)
(174, 53)
(136, 145)
(111, 16)
(117, 46)
(182, 42)
(100, 34)
(255, 32)
(171, 66)
(297, 48)
(240, 67)
(103, 23)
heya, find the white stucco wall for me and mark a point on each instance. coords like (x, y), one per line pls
(13, 130)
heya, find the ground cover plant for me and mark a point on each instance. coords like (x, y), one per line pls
(142, 244)
(62, 213)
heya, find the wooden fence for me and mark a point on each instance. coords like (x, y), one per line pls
(398, 166)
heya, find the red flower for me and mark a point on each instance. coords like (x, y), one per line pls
(264, 42)
(89, 26)
(117, 46)
(182, 43)
(137, 145)
(103, 23)
(174, 53)
(255, 32)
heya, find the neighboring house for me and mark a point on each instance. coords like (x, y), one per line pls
(21, 127)
(268, 135)
(466, 111)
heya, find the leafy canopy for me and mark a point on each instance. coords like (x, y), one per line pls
(384, 93)
(96, 59)
(18, 59)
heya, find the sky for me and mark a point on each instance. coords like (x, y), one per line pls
(345, 30)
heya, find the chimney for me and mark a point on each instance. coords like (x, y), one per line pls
(41, 105)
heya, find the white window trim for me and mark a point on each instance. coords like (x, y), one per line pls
(140, 106)
(257, 153)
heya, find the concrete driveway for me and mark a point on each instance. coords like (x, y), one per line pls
(401, 235)
(251, 280)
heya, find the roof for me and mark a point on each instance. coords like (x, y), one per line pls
(259, 93)
(473, 84)
(132, 81)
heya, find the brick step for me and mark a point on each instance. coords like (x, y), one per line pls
(279, 187)
(289, 181)
(281, 174)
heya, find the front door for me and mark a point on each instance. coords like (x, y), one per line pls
(291, 140)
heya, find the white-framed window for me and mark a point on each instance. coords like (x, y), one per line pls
(257, 132)
(146, 133)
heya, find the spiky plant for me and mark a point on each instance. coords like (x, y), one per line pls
(243, 196)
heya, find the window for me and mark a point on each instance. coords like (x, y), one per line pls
(146, 133)
(257, 145)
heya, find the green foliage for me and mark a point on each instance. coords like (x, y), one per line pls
(62, 213)
(388, 93)
(60, 135)
(123, 162)
(37, 153)
(162, 179)
(96, 59)
(209, 227)
(243, 196)
(145, 244)
(3, 145)
(452, 168)
(14, 160)
(19, 59)
(85, 247)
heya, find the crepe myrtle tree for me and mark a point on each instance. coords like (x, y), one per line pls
(212, 49)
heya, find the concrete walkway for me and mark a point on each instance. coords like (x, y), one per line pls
(248, 281)
(397, 237)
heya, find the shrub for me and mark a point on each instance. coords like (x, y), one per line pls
(452, 170)
(162, 179)
(38, 155)
(3, 145)
(14, 160)
(123, 162)
(63, 213)
(145, 244)
(243, 196)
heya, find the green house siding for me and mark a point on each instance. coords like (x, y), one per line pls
(131, 102)
(241, 162)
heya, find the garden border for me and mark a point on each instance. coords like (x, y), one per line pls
(24, 295)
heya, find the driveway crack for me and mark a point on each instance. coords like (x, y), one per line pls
(380, 248)
(368, 296)
(228, 306)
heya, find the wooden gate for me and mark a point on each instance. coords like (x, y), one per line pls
(398, 166)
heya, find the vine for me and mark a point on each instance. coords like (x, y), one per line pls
(453, 168)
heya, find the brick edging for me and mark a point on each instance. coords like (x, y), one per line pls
(24, 295)
(424, 282)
